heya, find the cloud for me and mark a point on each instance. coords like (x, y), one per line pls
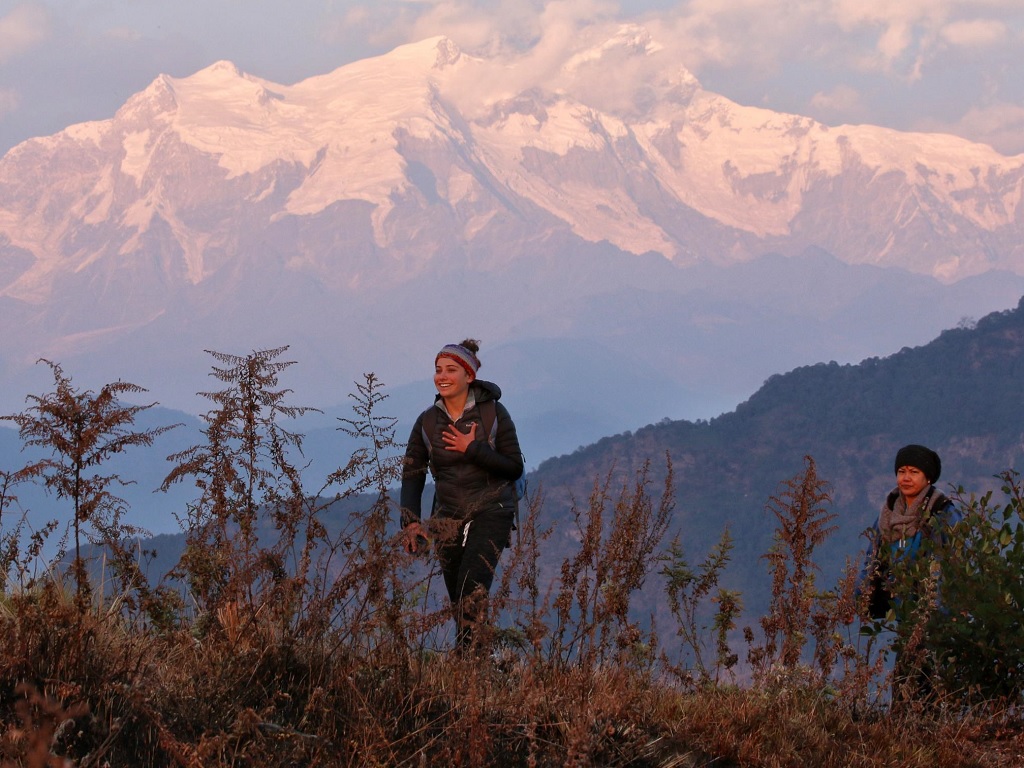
(566, 45)
(9, 101)
(1000, 125)
(749, 33)
(840, 104)
(614, 67)
(898, 39)
(840, 60)
(25, 27)
(511, 27)
(470, 24)
(892, 38)
(844, 60)
(974, 33)
(909, 35)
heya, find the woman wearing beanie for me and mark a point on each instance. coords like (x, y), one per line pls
(468, 442)
(913, 509)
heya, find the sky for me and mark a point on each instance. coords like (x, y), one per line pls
(952, 66)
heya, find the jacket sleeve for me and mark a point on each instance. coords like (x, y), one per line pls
(505, 460)
(414, 475)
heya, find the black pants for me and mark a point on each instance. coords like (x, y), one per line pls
(468, 560)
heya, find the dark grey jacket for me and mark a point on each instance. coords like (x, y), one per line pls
(465, 484)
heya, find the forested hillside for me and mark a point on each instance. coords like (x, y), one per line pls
(960, 394)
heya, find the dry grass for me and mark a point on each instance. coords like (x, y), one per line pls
(98, 689)
(339, 658)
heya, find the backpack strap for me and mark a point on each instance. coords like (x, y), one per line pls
(937, 514)
(489, 417)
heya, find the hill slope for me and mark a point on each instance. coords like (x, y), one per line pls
(960, 394)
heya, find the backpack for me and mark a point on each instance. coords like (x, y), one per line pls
(489, 417)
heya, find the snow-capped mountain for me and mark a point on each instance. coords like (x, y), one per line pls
(196, 167)
(366, 215)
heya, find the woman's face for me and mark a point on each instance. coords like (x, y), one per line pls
(911, 481)
(450, 378)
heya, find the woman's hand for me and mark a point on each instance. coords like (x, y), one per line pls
(454, 440)
(415, 536)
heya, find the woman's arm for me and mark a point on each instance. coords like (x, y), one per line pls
(505, 460)
(414, 475)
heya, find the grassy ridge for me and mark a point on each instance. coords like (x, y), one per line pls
(355, 672)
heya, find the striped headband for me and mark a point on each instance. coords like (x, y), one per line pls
(462, 356)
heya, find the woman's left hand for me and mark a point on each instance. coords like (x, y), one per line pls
(454, 440)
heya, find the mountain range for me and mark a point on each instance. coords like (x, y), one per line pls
(627, 253)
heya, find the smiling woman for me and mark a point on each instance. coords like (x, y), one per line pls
(468, 442)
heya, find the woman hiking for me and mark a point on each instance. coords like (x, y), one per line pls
(468, 442)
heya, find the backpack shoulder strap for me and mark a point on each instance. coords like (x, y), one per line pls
(940, 513)
(938, 506)
(489, 417)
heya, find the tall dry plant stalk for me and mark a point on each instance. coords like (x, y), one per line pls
(81, 431)
(10, 535)
(243, 470)
(519, 592)
(593, 624)
(803, 523)
(852, 659)
(369, 588)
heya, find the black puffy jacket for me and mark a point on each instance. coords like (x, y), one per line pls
(465, 484)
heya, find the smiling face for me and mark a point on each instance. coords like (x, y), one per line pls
(451, 379)
(911, 481)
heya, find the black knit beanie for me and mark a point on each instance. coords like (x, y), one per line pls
(920, 457)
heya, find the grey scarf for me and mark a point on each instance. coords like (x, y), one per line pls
(898, 522)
